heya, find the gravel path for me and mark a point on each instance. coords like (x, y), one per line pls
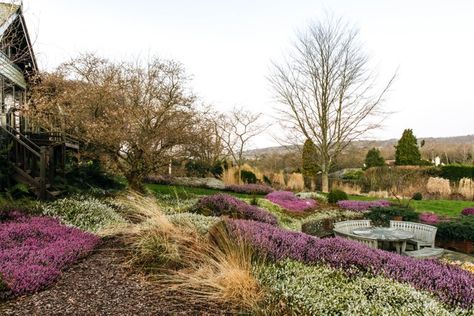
(101, 285)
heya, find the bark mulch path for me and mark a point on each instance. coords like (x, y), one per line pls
(102, 285)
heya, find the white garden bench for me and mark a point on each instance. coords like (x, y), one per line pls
(344, 230)
(424, 234)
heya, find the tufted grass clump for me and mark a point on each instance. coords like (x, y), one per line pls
(175, 253)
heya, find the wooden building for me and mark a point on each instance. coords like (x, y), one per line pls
(37, 156)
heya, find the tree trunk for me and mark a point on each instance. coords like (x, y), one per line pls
(325, 182)
(240, 174)
(135, 182)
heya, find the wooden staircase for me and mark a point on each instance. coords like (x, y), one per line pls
(36, 157)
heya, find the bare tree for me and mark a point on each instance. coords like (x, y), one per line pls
(326, 90)
(136, 116)
(237, 129)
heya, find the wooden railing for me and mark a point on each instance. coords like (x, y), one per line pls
(29, 160)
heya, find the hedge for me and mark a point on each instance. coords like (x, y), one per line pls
(456, 172)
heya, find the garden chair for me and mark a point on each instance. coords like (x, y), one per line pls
(424, 234)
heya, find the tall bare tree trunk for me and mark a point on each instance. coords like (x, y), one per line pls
(325, 182)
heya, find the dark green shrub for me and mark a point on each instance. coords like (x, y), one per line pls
(4, 290)
(374, 159)
(462, 229)
(89, 175)
(196, 168)
(417, 196)
(254, 201)
(337, 195)
(248, 176)
(456, 172)
(267, 180)
(353, 175)
(381, 216)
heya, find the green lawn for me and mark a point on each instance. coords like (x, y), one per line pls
(441, 207)
(184, 192)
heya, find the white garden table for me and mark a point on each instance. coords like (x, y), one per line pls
(396, 236)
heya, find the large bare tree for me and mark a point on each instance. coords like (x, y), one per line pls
(326, 91)
(236, 130)
(136, 116)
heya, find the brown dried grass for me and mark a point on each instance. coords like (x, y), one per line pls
(295, 182)
(212, 268)
(438, 186)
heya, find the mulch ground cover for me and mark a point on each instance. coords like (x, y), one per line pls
(102, 284)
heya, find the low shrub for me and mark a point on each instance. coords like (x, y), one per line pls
(337, 195)
(86, 213)
(353, 175)
(313, 195)
(429, 218)
(469, 211)
(199, 222)
(417, 196)
(323, 223)
(90, 175)
(450, 284)
(381, 216)
(34, 250)
(3, 288)
(361, 205)
(298, 289)
(248, 177)
(289, 201)
(461, 229)
(224, 204)
(284, 218)
(259, 189)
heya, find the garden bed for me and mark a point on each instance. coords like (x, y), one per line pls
(34, 250)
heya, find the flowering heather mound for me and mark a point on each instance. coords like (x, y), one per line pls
(429, 218)
(34, 250)
(468, 211)
(289, 201)
(224, 204)
(450, 284)
(250, 188)
(361, 205)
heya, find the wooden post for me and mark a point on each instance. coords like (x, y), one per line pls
(43, 162)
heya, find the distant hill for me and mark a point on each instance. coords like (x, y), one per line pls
(382, 144)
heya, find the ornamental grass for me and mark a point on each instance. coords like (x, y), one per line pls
(34, 250)
(450, 284)
(182, 259)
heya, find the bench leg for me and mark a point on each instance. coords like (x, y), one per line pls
(397, 247)
(404, 246)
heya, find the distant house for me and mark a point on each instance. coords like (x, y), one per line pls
(37, 156)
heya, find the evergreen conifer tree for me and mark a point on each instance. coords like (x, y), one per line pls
(407, 151)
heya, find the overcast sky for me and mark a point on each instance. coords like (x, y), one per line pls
(227, 47)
